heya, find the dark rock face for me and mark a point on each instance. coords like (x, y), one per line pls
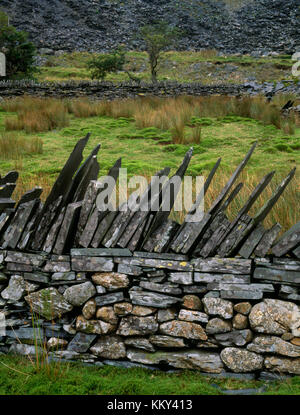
(99, 25)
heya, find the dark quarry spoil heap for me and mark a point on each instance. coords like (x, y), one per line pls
(99, 25)
(135, 288)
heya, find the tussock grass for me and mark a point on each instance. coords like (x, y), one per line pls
(36, 114)
(14, 146)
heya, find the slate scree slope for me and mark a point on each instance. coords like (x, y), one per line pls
(136, 288)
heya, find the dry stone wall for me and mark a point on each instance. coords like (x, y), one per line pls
(136, 288)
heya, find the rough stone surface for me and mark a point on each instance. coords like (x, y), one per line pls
(48, 303)
(183, 329)
(218, 307)
(191, 359)
(217, 325)
(55, 343)
(239, 322)
(234, 338)
(243, 308)
(109, 347)
(192, 302)
(79, 294)
(142, 311)
(123, 309)
(89, 309)
(240, 360)
(93, 326)
(107, 314)
(140, 343)
(167, 341)
(275, 317)
(191, 315)
(283, 364)
(166, 315)
(81, 342)
(15, 289)
(111, 280)
(135, 326)
(274, 345)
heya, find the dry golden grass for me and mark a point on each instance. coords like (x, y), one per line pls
(287, 217)
(36, 114)
(14, 146)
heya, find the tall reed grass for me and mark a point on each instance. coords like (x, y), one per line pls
(14, 145)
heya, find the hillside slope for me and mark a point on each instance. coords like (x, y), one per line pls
(98, 25)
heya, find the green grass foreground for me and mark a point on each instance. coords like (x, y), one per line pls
(18, 376)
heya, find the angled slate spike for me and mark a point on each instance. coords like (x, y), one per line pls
(252, 241)
(261, 215)
(247, 206)
(31, 195)
(78, 179)
(205, 189)
(288, 241)
(64, 181)
(5, 218)
(103, 228)
(145, 207)
(96, 215)
(160, 239)
(11, 177)
(267, 241)
(217, 228)
(87, 205)
(189, 231)
(230, 182)
(7, 190)
(119, 224)
(169, 194)
(91, 173)
(53, 232)
(6, 203)
(213, 240)
(29, 228)
(296, 252)
(136, 237)
(44, 223)
(229, 242)
(67, 230)
(18, 223)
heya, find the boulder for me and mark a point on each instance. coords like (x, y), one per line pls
(239, 322)
(275, 317)
(123, 309)
(234, 338)
(243, 308)
(107, 314)
(111, 280)
(48, 303)
(89, 309)
(167, 341)
(241, 360)
(15, 289)
(184, 329)
(79, 294)
(143, 311)
(217, 325)
(93, 326)
(191, 315)
(218, 307)
(109, 347)
(274, 345)
(283, 365)
(191, 359)
(192, 302)
(135, 326)
(140, 343)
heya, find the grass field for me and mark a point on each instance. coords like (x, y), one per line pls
(145, 149)
(18, 376)
(205, 66)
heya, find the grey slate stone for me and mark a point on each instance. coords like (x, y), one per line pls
(222, 265)
(109, 298)
(92, 264)
(81, 342)
(149, 299)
